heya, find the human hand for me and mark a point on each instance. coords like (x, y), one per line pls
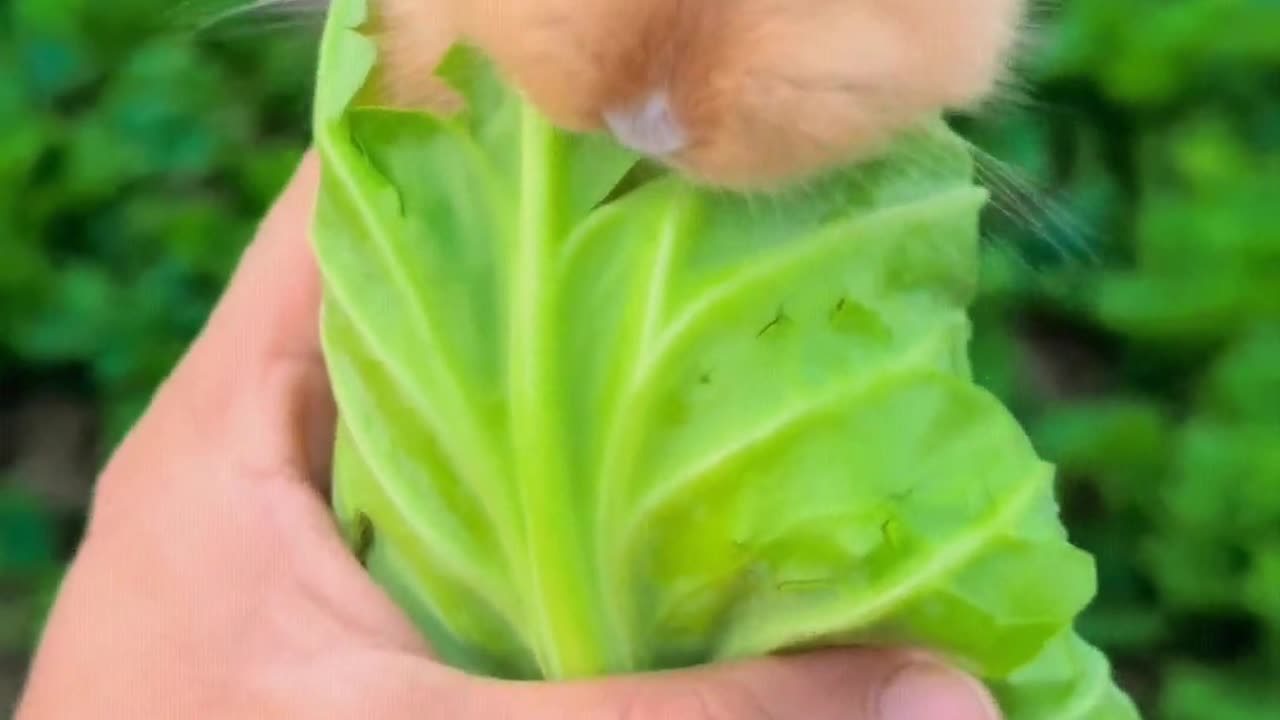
(213, 583)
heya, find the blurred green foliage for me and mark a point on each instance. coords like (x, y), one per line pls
(1131, 313)
(1151, 373)
(136, 157)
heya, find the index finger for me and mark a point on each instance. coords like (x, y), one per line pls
(254, 378)
(271, 307)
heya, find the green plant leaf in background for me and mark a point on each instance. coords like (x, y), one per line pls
(27, 560)
(587, 432)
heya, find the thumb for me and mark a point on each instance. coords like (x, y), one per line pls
(834, 684)
(853, 684)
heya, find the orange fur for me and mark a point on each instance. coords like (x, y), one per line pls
(762, 91)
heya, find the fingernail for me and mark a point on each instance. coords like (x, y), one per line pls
(928, 691)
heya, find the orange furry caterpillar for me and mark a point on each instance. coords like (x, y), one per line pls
(734, 93)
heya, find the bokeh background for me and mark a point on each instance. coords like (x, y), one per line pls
(1130, 316)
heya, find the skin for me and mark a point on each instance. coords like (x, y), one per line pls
(746, 94)
(213, 583)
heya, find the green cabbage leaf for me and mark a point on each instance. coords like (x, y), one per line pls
(594, 419)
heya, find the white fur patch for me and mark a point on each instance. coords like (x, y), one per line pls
(648, 127)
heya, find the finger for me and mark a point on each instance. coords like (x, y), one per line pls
(839, 685)
(254, 378)
(830, 685)
(272, 304)
(264, 337)
(270, 309)
(284, 423)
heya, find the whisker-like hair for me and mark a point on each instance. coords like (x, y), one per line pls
(1014, 88)
(1017, 201)
(1037, 28)
(1012, 92)
(271, 26)
(292, 28)
(1029, 207)
(245, 17)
